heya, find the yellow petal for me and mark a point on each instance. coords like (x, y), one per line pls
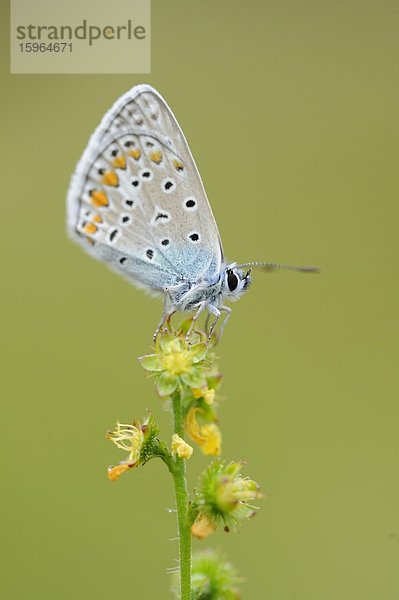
(180, 447)
(212, 440)
(192, 425)
(205, 393)
(208, 437)
(115, 472)
(202, 527)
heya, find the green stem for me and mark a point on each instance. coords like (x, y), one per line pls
(179, 478)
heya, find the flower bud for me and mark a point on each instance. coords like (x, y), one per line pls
(212, 577)
(223, 496)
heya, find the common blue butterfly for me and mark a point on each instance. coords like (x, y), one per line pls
(136, 202)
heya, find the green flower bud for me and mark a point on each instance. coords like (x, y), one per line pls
(224, 496)
(213, 578)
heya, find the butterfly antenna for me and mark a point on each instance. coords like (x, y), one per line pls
(265, 266)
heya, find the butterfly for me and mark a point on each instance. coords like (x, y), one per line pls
(137, 202)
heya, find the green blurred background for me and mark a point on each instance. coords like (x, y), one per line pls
(291, 111)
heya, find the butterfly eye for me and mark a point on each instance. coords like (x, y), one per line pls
(232, 280)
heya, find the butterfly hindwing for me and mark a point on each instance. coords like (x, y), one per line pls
(137, 201)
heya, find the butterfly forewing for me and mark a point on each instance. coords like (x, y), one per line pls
(137, 201)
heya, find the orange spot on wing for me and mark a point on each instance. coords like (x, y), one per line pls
(136, 153)
(99, 198)
(119, 162)
(156, 156)
(97, 219)
(90, 228)
(178, 165)
(110, 178)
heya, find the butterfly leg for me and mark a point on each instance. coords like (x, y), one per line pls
(216, 312)
(228, 312)
(165, 321)
(196, 316)
(167, 313)
(208, 317)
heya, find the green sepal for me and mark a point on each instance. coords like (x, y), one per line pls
(213, 380)
(164, 340)
(166, 384)
(151, 362)
(199, 351)
(194, 378)
(185, 326)
(150, 445)
(192, 513)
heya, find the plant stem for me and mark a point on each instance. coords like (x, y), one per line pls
(179, 478)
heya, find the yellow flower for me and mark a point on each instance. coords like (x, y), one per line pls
(176, 362)
(139, 440)
(202, 527)
(129, 438)
(176, 359)
(208, 436)
(180, 447)
(205, 393)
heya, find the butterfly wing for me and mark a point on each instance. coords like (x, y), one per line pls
(137, 202)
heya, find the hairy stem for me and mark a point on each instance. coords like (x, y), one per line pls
(179, 478)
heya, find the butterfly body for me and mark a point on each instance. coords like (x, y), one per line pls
(189, 296)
